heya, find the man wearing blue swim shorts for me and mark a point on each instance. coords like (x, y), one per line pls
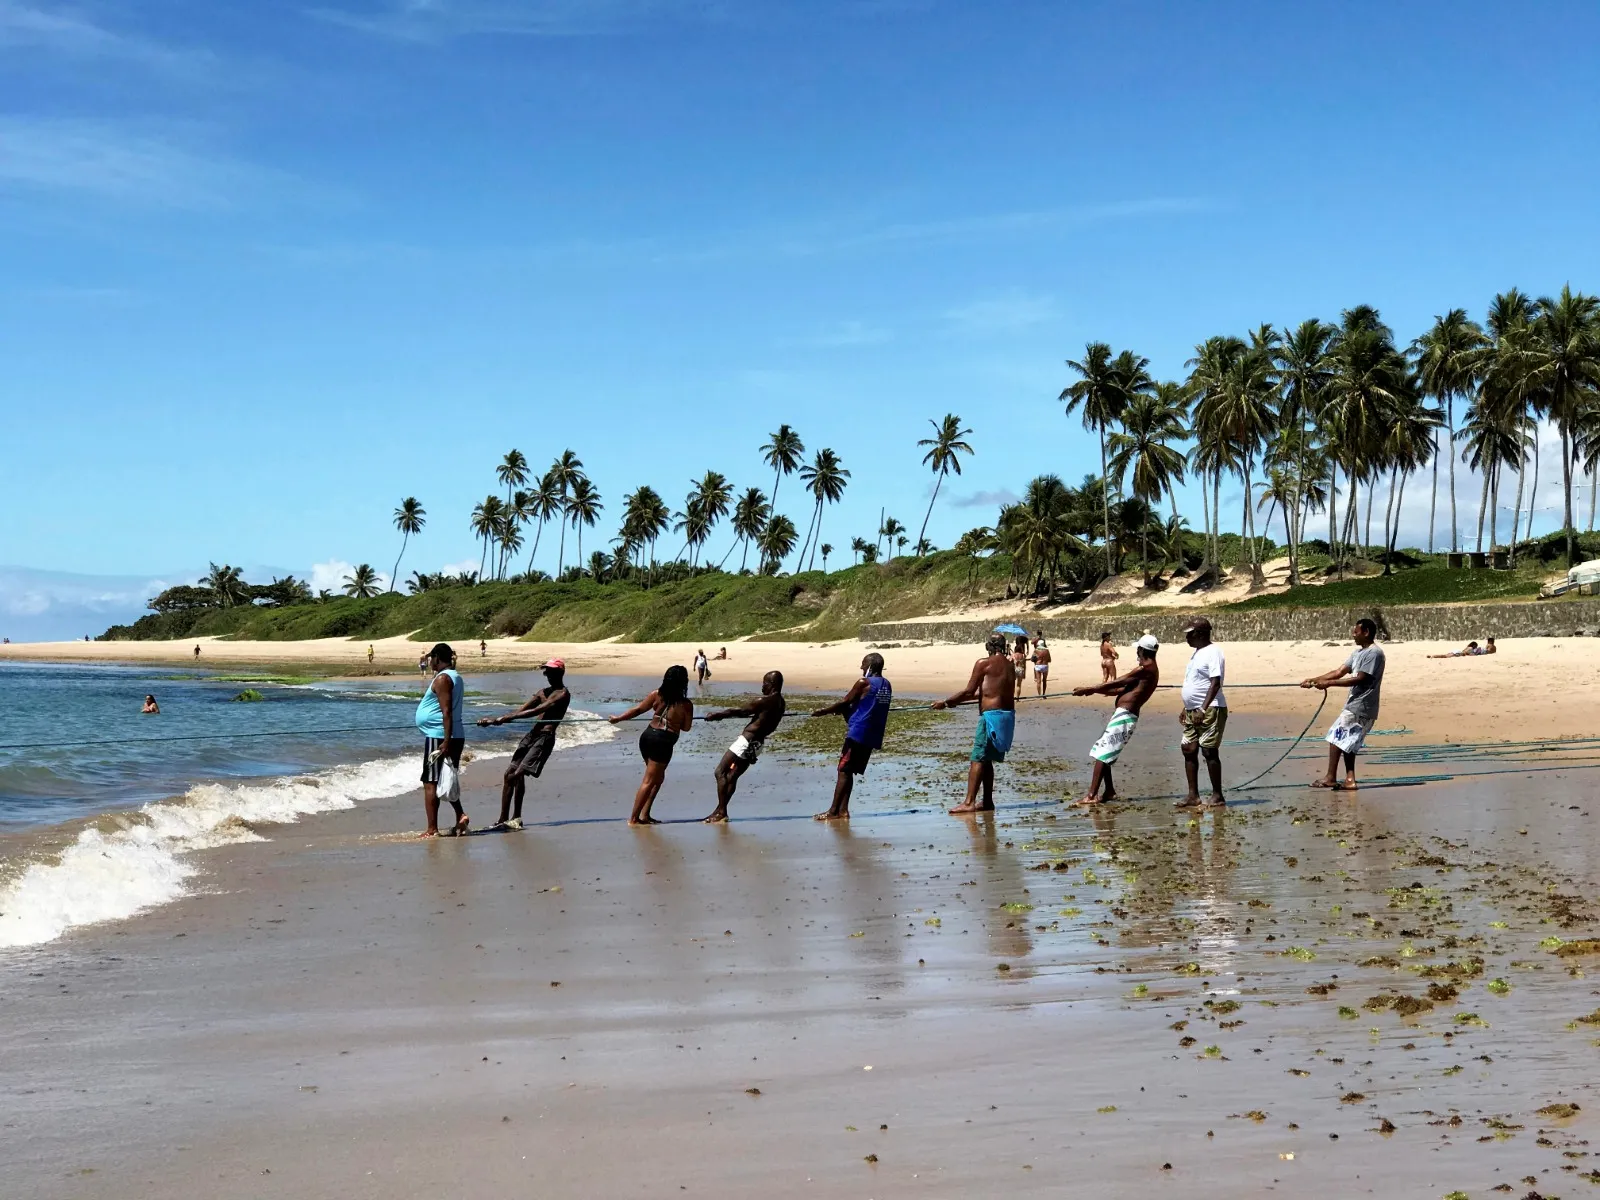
(993, 685)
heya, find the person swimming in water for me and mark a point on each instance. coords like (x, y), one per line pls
(150, 705)
(672, 712)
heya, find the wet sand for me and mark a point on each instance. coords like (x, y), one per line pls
(583, 1009)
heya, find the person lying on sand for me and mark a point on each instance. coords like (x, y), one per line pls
(150, 706)
(1362, 673)
(1472, 650)
(672, 713)
(765, 712)
(545, 708)
(865, 708)
(993, 685)
(1131, 691)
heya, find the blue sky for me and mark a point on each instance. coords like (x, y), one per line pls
(272, 266)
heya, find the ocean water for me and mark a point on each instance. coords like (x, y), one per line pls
(102, 807)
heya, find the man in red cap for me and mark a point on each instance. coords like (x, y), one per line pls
(546, 708)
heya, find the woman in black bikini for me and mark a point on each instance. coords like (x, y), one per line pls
(673, 713)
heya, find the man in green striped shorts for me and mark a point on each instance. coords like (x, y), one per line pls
(1131, 690)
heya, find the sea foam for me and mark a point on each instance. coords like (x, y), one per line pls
(139, 860)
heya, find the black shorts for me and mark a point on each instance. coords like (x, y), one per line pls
(854, 757)
(430, 768)
(655, 745)
(533, 751)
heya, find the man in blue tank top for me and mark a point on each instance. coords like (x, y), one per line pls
(865, 708)
(994, 686)
(439, 720)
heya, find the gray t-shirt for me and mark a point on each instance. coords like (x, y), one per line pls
(1363, 699)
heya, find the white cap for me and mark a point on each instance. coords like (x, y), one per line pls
(1148, 642)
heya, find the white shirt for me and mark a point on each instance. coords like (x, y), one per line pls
(1205, 664)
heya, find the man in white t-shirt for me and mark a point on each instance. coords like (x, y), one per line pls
(1204, 715)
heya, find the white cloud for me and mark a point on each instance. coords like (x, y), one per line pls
(160, 165)
(442, 20)
(1004, 314)
(995, 499)
(460, 568)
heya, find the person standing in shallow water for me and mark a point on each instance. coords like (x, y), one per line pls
(1131, 691)
(1204, 714)
(865, 708)
(439, 718)
(994, 686)
(672, 712)
(1362, 673)
(765, 713)
(546, 708)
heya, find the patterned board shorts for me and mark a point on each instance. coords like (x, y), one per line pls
(1349, 732)
(1118, 730)
(1204, 726)
(747, 748)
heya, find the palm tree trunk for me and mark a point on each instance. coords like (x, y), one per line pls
(818, 539)
(1333, 511)
(1450, 422)
(1216, 518)
(1533, 494)
(1494, 510)
(1483, 505)
(484, 557)
(1566, 495)
(1594, 479)
(561, 550)
(1400, 502)
(1105, 498)
(537, 531)
(1366, 537)
(1388, 522)
(923, 532)
(1205, 521)
(1516, 513)
(403, 540)
(1433, 503)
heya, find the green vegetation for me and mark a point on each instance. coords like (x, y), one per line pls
(249, 696)
(710, 605)
(1430, 582)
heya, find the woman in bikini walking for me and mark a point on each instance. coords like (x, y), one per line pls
(672, 713)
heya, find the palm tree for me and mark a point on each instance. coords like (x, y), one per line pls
(1303, 373)
(512, 471)
(519, 511)
(825, 478)
(227, 585)
(749, 519)
(1102, 394)
(1410, 443)
(711, 497)
(782, 453)
(544, 502)
(362, 583)
(583, 508)
(485, 523)
(858, 547)
(1237, 389)
(1447, 359)
(827, 549)
(509, 535)
(943, 457)
(1565, 367)
(1212, 378)
(1149, 423)
(776, 543)
(565, 471)
(890, 530)
(1494, 436)
(1506, 387)
(409, 518)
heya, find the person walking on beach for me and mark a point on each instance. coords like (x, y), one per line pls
(765, 712)
(671, 713)
(702, 668)
(197, 650)
(994, 687)
(443, 731)
(369, 654)
(1362, 673)
(1131, 691)
(1019, 657)
(483, 648)
(1108, 657)
(1204, 715)
(865, 708)
(1041, 667)
(545, 708)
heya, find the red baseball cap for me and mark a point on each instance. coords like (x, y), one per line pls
(555, 664)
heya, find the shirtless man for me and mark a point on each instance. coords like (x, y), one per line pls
(1041, 667)
(994, 686)
(1131, 691)
(764, 712)
(1108, 658)
(545, 708)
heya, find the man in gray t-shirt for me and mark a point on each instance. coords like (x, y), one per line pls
(1362, 673)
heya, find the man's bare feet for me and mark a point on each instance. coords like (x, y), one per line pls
(966, 810)
(1325, 783)
(1215, 802)
(1188, 802)
(428, 833)
(720, 817)
(830, 815)
(1088, 802)
(643, 821)
(1349, 785)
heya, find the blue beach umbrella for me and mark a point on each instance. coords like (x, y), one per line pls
(1013, 630)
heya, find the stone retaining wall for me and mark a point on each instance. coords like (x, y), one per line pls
(1410, 622)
